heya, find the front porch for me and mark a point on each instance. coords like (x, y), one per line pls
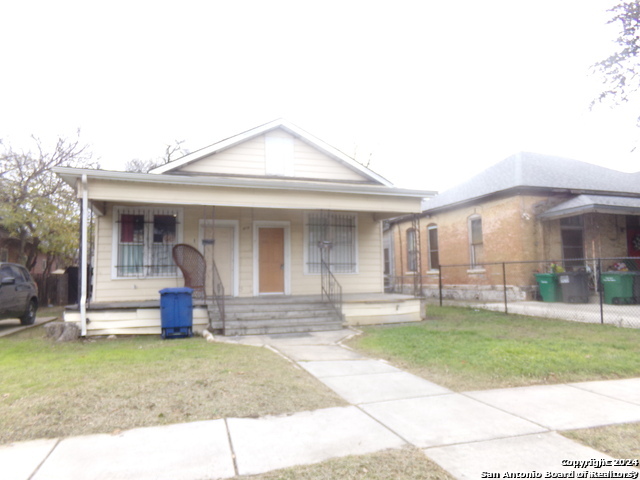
(253, 315)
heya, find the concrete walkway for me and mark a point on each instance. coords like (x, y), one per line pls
(472, 435)
(9, 327)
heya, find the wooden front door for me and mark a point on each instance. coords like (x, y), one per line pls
(271, 260)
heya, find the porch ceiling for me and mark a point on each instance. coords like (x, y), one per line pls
(593, 204)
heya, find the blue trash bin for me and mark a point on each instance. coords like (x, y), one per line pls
(176, 311)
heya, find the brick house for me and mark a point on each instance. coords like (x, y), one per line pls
(526, 208)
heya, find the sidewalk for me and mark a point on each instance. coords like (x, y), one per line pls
(491, 431)
(9, 328)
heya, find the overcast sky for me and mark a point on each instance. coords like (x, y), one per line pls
(430, 92)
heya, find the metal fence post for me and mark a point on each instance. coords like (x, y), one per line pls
(504, 285)
(440, 283)
(598, 287)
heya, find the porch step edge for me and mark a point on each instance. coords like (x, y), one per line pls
(281, 323)
(276, 315)
(283, 329)
(231, 307)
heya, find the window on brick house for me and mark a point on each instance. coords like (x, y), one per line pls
(412, 251)
(572, 232)
(475, 241)
(432, 239)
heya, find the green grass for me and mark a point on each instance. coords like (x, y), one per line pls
(50, 389)
(466, 349)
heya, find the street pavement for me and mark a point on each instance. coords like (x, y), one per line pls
(472, 435)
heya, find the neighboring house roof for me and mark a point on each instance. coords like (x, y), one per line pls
(537, 171)
(594, 204)
(267, 127)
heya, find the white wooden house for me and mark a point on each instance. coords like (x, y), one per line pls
(260, 205)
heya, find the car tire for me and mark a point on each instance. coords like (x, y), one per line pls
(30, 316)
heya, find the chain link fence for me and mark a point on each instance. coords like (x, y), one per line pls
(591, 290)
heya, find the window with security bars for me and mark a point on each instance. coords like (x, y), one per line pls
(331, 236)
(412, 251)
(572, 233)
(145, 239)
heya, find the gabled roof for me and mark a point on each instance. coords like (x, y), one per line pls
(537, 171)
(262, 129)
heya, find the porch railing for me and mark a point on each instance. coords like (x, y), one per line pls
(331, 288)
(218, 293)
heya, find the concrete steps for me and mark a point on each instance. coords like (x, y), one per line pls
(271, 315)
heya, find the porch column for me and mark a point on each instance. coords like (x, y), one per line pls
(83, 258)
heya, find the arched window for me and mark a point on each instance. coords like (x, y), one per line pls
(475, 241)
(412, 251)
(432, 245)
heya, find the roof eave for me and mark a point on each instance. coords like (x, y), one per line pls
(71, 175)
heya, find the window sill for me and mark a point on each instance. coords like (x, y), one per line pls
(476, 271)
(433, 272)
(148, 277)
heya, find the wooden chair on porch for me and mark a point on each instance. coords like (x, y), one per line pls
(193, 267)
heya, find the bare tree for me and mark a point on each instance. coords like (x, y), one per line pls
(36, 207)
(621, 69)
(172, 151)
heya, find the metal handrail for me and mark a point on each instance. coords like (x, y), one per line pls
(331, 288)
(218, 293)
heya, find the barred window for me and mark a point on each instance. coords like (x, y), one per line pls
(412, 251)
(572, 233)
(146, 237)
(334, 236)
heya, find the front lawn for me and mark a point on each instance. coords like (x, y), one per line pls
(49, 389)
(465, 349)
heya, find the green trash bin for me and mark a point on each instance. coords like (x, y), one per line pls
(618, 287)
(549, 290)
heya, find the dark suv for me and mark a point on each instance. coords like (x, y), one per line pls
(18, 294)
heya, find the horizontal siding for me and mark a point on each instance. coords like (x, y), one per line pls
(107, 289)
(369, 250)
(245, 197)
(369, 277)
(143, 321)
(248, 158)
(311, 163)
(244, 159)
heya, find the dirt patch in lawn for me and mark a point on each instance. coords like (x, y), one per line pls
(52, 390)
(408, 463)
(617, 441)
